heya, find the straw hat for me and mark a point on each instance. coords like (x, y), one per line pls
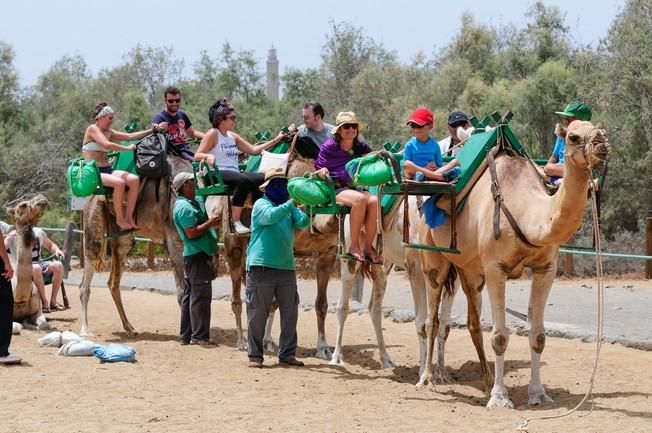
(344, 118)
(274, 173)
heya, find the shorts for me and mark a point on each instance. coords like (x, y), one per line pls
(106, 170)
(344, 188)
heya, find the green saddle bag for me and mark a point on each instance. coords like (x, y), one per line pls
(369, 170)
(309, 190)
(83, 177)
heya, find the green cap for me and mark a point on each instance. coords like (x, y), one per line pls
(576, 109)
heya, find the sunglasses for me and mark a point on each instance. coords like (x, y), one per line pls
(172, 101)
(232, 117)
(416, 126)
(350, 125)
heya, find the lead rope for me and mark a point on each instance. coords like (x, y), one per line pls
(601, 311)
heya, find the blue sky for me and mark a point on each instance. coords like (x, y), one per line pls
(41, 32)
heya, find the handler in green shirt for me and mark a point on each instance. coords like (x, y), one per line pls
(270, 268)
(199, 245)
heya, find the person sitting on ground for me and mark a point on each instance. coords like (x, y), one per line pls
(41, 268)
(421, 156)
(6, 306)
(271, 268)
(314, 126)
(179, 126)
(97, 143)
(451, 144)
(199, 246)
(576, 110)
(220, 148)
(343, 147)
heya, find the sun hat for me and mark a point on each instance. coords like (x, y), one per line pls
(457, 117)
(346, 117)
(274, 173)
(577, 110)
(180, 179)
(421, 116)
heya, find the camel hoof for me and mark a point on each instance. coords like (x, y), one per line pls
(441, 375)
(536, 398)
(324, 353)
(43, 326)
(337, 359)
(270, 346)
(500, 400)
(85, 333)
(388, 363)
(241, 345)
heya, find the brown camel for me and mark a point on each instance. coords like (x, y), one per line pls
(545, 221)
(320, 244)
(155, 222)
(27, 302)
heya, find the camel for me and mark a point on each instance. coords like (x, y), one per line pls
(395, 254)
(27, 302)
(546, 222)
(321, 243)
(155, 222)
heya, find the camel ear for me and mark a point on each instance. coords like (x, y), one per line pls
(599, 125)
(560, 130)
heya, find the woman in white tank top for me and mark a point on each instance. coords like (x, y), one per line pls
(221, 146)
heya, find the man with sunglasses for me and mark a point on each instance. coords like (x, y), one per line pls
(314, 126)
(576, 110)
(456, 120)
(179, 124)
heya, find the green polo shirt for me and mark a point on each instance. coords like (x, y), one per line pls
(191, 213)
(272, 234)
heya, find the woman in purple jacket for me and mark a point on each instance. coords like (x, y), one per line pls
(344, 146)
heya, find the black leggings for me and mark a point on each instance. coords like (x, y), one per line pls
(241, 184)
(6, 312)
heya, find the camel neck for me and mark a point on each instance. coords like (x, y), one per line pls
(566, 210)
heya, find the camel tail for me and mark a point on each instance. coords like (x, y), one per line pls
(449, 283)
(365, 270)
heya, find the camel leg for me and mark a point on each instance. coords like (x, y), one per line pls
(120, 247)
(349, 268)
(472, 285)
(94, 229)
(325, 264)
(500, 339)
(268, 340)
(418, 286)
(541, 285)
(174, 247)
(435, 270)
(376, 313)
(236, 260)
(440, 373)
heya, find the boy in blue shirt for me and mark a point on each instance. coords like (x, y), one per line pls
(422, 158)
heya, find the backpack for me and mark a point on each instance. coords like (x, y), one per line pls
(151, 157)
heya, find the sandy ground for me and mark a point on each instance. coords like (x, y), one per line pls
(176, 389)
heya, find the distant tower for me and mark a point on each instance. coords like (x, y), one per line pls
(272, 75)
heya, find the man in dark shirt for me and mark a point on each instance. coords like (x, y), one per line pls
(179, 124)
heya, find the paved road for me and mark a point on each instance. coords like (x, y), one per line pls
(571, 310)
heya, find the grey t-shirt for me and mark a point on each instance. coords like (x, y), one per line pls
(319, 137)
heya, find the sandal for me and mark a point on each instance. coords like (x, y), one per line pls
(57, 307)
(353, 256)
(373, 257)
(45, 310)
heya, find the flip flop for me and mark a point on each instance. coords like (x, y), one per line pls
(57, 307)
(377, 260)
(46, 310)
(353, 256)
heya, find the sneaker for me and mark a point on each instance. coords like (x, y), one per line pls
(294, 362)
(255, 364)
(184, 342)
(10, 359)
(419, 176)
(240, 229)
(202, 343)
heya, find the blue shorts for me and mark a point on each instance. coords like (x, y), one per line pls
(106, 170)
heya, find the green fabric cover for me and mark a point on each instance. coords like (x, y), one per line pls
(369, 170)
(309, 190)
(83, 177)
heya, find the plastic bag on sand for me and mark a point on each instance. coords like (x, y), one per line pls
(115, 352)
(67, 337)
(53, 339)
(17, 327)
(77, 348)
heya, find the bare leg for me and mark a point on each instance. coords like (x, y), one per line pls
(357, 201)
(37, 278)
(132, 183)
(57, 277)
(370, 224)
(118, 186)
(236, 211)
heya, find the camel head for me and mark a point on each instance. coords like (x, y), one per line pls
(587, 145)
(28, 212)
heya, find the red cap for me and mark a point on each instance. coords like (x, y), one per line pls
(421, 116)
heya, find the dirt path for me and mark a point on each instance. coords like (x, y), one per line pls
(173, 388)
